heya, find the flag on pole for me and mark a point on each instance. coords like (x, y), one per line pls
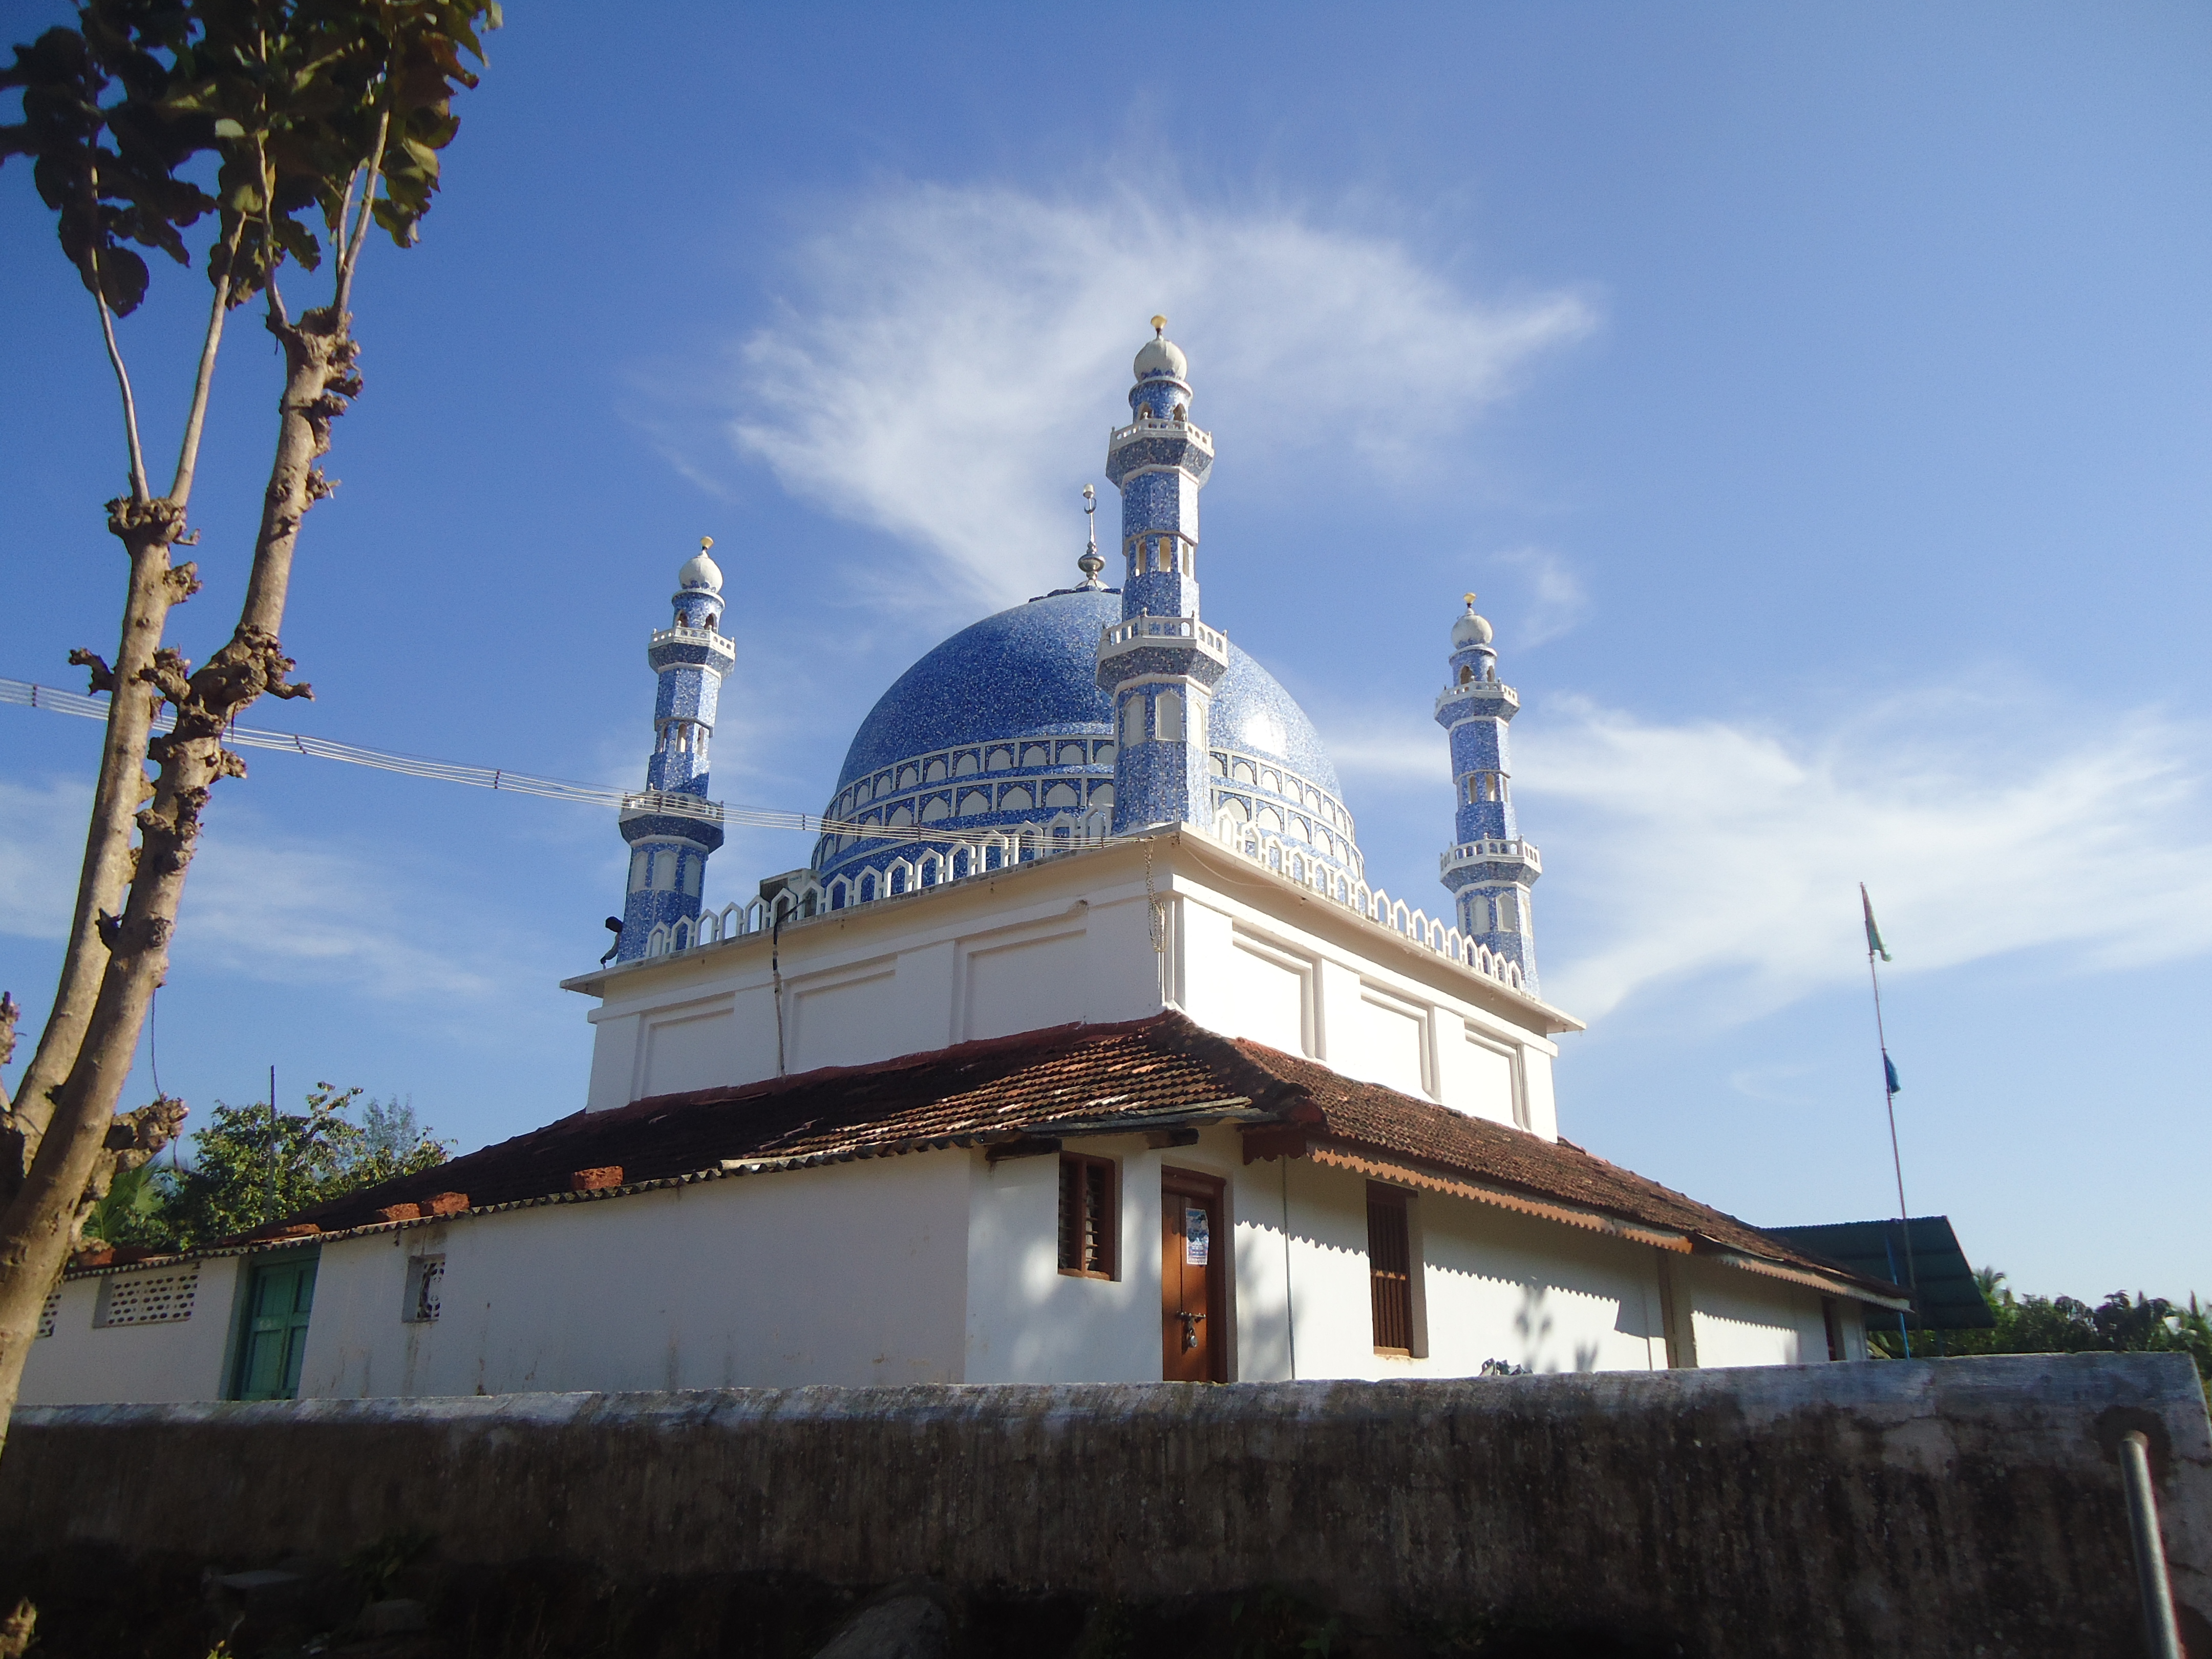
(1889, 1071)
(1873, 933)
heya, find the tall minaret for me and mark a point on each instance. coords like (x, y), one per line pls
(1160, 661)
(1491, 868)
(668, 855)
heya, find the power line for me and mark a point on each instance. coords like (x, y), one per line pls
(668, 802)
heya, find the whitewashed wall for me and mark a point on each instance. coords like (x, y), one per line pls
(1071, 939)
(938, 1267)
(82, 1364)
(1492, 1285)
(1745, 1319)
(854, 1273)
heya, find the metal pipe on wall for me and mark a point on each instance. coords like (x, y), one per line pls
(2151, 1582)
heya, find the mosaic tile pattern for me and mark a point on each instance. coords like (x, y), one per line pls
(1489, 868)
(669, 850)
(1162, 663)
(1004, 726)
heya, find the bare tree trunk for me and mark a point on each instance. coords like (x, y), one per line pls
(85, 1142)
(148, 530)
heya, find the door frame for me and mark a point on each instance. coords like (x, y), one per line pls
(241, 1323)
(1214, 1190)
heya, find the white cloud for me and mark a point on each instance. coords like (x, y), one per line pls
(956, 356)
(260, 905)
(277, 909)
(1555, 599)
(42, 847)
(1984, 825)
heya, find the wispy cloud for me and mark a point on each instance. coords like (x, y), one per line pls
(259, 904)
(950, 359)
(277, 909)
(1708, 850)
(41, 845)
(1552, 600)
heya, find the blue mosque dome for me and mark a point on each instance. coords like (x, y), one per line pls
(1004, 726)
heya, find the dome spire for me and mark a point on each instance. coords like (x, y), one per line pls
(1090, 564)
(1162, 372)
(700, 573)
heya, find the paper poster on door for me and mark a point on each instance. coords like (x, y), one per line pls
(1196, 1237)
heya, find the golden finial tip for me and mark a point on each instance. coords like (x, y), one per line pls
(1470, 601)
(1159, 325)
(705, 542)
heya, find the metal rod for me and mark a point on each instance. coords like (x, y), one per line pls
(1896, 1158)
(2151, 1582)
(1290, 1310)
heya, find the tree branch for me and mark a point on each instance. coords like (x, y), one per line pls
(138, 491)
(352, 256)
(188, 456)
(10, 1011)
(134, 1137)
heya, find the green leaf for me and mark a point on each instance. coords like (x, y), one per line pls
(225, 127)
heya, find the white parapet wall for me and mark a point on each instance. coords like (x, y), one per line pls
(1108, 934)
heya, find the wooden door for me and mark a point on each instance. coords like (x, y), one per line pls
(1194, 1349)
(274, 1342)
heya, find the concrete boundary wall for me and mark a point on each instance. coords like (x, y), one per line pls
(1930, 1508)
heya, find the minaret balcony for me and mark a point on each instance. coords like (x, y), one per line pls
(1498, 860)
(1182, 635)
(1149, 444)
(1490, 699)
(696, 647)
(1145, 424)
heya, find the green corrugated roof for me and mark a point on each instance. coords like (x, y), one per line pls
(1948, 1297)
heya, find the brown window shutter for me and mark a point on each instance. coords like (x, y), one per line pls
(1390, 1270)
(1086, 1216)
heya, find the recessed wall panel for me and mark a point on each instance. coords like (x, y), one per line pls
(1025, 985)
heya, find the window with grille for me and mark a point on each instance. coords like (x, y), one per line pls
(1086, 1217)
(1390, 1270)
(426, 1276)
(49, 1313)
(155, 1298)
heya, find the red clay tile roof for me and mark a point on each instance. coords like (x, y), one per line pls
(1069, 1079)
(977, 1092)
(1367, 1114)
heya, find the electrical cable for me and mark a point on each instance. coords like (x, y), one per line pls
(671, 803)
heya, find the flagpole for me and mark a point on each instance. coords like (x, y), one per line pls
(1889, 1105)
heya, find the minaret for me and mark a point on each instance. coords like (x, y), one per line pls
(668, 849)
(1160, 661)
(1490, 869)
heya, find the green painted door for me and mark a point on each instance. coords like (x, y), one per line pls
(275, 1341)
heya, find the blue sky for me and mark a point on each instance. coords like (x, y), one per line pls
(1815, 396)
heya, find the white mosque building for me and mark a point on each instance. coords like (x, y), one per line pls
(1082, 1050)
